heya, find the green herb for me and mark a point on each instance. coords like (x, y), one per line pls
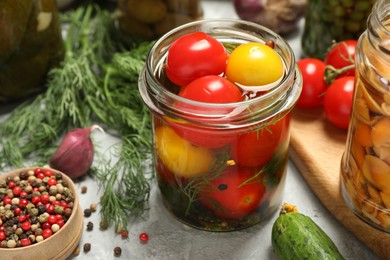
(96, 83)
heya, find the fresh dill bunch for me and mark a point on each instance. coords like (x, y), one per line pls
(96, 82)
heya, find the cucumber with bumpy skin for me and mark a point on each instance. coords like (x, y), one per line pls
(296, 236)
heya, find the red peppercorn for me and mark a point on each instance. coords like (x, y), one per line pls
(25, 241)
(22, 218)
(35, 200)
(125, 234)
(35, 189)
(56, 202)
(40, 175)
(48, 173)
(37, 170)
(60, 223)
(144, 237)
(47, 233)
(51, 182)
(11, 184)
(46, 225)
(26, 226)
(16, 190)
(2, 236)
(45, 198)
(59, 216)
(7, 200)
(52, 219)
(17, 211)
(49, 208)
(23, 194)
(64, 204)
(23, 203)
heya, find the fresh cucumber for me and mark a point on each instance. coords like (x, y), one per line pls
(296, 236)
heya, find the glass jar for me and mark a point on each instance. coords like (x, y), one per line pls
(150, 19)
(31, 44)
(328, 21)
(220, 167)
(365, 166)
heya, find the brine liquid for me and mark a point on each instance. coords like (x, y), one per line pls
(206, 188)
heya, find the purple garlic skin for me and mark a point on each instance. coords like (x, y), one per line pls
(75, 153)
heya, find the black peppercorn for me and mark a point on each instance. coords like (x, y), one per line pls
(117, 251)
(90, 226)
(41, 209)
(87, 213)
(23, 175)
(58, 176)
(87, 247)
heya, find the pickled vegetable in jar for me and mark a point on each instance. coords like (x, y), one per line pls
(328, 21)
(365, 166)
(221, 133)
(31, 44)
(150, 19)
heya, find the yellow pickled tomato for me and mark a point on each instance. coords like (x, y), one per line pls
(180, 156)
(254, 64)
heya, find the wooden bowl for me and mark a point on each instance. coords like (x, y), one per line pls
(62, 243)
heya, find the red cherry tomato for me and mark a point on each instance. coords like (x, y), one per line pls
(195, 55)
(212, 89)
(314, 85)
(256, 148)
(338, 101)
(342, 55)
(233, 194)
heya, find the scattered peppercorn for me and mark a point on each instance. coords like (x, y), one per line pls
(117, 251)
(103, 225)
(89, 226)
(87, 213)
(144, 237)
(76, 251)
(84, 189)
(93, 207)
(125, 234)
(87, 247)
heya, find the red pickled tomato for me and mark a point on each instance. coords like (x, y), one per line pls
(47, 233)
(194, 55)
(25, 241)
(210, 89)
(256, 148)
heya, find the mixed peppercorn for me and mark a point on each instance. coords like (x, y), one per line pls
(33, 206)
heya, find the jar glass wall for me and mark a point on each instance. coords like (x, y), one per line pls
(220, 167)
(365, 167)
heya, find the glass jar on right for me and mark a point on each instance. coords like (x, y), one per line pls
(365, 166)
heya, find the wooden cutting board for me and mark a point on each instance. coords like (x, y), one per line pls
(316, 149)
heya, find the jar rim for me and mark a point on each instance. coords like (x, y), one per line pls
(238, 30)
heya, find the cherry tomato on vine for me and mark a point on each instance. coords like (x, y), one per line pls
(338, 101)
(235, 193)
(195, 55)
(342, 55)
(314, 85)
(254, 64)
(180, 156)
(256, 148)
(212, 89)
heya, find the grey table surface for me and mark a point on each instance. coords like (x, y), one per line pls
(170, 239)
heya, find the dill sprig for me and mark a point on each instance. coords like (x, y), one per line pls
(96, 82)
